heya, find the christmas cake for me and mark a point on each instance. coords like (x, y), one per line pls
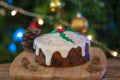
(61, 49)
(61, 54)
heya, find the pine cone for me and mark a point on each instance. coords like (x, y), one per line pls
(28, 38)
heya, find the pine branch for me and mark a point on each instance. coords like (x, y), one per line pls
(27, 13)
(20, 10)
(111, 52)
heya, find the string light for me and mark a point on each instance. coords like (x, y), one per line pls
(52, 4)
(114, 53)
(55, 3)
(13, 12)
(58, 3)
(12, 47)
(89, 37)
(58, 26)
(18, 34)
(111, 52)
(40, 21)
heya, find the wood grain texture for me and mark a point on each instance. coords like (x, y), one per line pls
(113, 70)
(46, 73)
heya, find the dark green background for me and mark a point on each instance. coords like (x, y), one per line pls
(103, 17)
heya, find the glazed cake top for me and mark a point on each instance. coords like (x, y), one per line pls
(62, 42)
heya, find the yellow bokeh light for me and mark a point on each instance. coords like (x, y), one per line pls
(114, 53)
(89, 37)
(40, 21)
(52, 9)
(13, 12)
(52, 4)
(59, 26)
(57, 2)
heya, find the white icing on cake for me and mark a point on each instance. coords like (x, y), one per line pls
(52, 42)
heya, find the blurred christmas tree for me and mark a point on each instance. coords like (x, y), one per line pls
(101, 15)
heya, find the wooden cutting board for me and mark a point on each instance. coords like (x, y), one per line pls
(89, 70)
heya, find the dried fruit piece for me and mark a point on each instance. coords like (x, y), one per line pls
(33, 67)
(25, 62)
(94, 68)
(95, 60)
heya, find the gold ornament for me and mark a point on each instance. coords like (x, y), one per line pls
(55, 6)
(80, 24)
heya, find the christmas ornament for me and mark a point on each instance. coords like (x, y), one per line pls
(34, 24)
(55, 6)
(80, 24)
(29, 37)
